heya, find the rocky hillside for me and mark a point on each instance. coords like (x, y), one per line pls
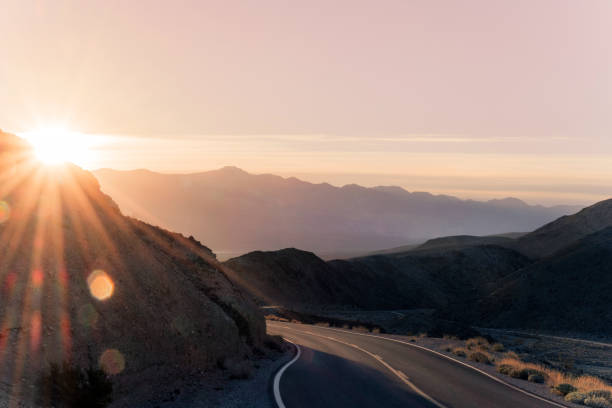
(566, 230)
(422, 279)
(81, 282)
(272, 212)
(570, 291)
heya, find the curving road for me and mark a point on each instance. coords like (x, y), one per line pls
(338, 368)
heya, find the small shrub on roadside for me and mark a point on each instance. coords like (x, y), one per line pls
(505, 369)
(576, 397)
(536, 378)
(68, 386)
(459, 352)
(475, 342)
(565, 389)
(498, 347)
(597, 402)
(512, 355)
(480, 357)
(448, 348)
(600, 394)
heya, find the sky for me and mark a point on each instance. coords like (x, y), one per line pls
(475, 98)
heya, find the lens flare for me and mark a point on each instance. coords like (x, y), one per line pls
(112, 362)
(101, 286)
(5, 211)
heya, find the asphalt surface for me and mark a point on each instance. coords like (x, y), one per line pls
(345, 369)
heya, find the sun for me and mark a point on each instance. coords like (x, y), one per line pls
(54, 145)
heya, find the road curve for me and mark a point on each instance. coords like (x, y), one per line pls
(346, 369)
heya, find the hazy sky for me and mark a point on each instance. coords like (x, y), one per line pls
(478, 98)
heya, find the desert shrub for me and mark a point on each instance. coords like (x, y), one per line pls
(448, 348)
(519, 373)
(512, 355)
(565, 388)
(476, 341)
(68, 386)
(600, 394)
(498, 347)
(505, 369)
(274, 343)
(480, 357)
(459, 352)
(576, 397)
(597, 402)
(536, 378)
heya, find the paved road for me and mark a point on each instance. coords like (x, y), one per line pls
(345, 369)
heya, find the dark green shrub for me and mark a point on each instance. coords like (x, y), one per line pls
(520, 373)
(565, 389)
(536, 378)
(73, 387)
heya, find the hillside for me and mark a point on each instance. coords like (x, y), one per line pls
(570, 291)
(236, 212)
(82, 283)
(564, 231)
(294, 278)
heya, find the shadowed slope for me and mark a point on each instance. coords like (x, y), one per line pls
(159, 303)
(566, 230)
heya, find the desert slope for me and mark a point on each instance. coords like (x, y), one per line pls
(570, 291)
(422, 279)
(566, 230)
(237, 212)
(169, 306)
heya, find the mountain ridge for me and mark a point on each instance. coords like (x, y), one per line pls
(274, 212)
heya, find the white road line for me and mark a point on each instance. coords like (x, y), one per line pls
(378, 358)
(456, 361)
(277, 377)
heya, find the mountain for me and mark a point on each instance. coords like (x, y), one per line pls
(564, 231)
(299, 279)
(570, 291)
(82, 283)
(237, 212)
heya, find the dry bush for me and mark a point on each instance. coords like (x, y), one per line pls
(480, 357)
(576, 397)
(275, 318)
(476, 342)
(460, 352)
(376, 330)
(512, 354)
(560, 383)
(597, 402)
(498, 347)
(448, 348)
(361, 329)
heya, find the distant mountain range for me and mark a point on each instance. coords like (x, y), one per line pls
(554, 279)
(235, 212)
